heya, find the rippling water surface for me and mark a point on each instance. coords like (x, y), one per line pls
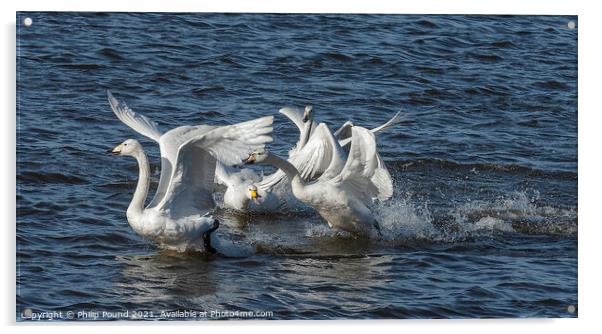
(483, 222)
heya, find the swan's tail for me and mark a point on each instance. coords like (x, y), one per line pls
(395, 120)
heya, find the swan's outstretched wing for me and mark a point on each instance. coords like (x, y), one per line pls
(327, 156)
(294, 115)
(394, 120)
(268, 183)
(382, 179)
(356, 176)
(321, 156)
(168, 143)
(231, 144)
(137, 122)
(230, 176)
(344, 133)
(191, 184)
(222, 175)
(374, 167)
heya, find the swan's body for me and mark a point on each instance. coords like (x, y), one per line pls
(178, 215)
(343, 200)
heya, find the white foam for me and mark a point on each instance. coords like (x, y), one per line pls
(230, 248)
(324, 231)
(490, 223)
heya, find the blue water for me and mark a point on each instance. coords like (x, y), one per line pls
(483, 222)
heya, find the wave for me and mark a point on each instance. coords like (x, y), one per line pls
(503, 44)
(452, 165)
(34, 177)
(110, 53)
(207, 90)
(488, 58)
(82, 66)
(552, 84)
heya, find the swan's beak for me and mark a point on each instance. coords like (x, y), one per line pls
(254, 194)
(250, 159)
(307, 113)
(116, 150)
(305, 117)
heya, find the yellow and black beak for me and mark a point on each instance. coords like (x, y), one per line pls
(254, 194)
(116, 150)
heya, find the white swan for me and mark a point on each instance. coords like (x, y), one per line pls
(343, 200)
(382, 178)
(178, 216)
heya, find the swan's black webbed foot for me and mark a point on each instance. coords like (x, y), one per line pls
(377, 228)
(207, 237)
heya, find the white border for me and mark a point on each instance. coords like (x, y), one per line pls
(589, 148)
(316, 6)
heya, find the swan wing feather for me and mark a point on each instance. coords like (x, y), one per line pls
(191, 184)
(344, 131)
(359, 168)
(393, 121)
(382, 179)
(294, 115)
(136, 121)
(321, 156)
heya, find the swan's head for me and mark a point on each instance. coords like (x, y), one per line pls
(257, 157)
(308, 114)
(127, 148)
(253, 192)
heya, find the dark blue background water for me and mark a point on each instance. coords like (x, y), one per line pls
(483, 222)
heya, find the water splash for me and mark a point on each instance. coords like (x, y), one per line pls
(399, 219)
(402, 219)
(516, 212)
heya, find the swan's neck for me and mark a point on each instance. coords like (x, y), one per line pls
(137, 205)
(291, 172)
(305, 134)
